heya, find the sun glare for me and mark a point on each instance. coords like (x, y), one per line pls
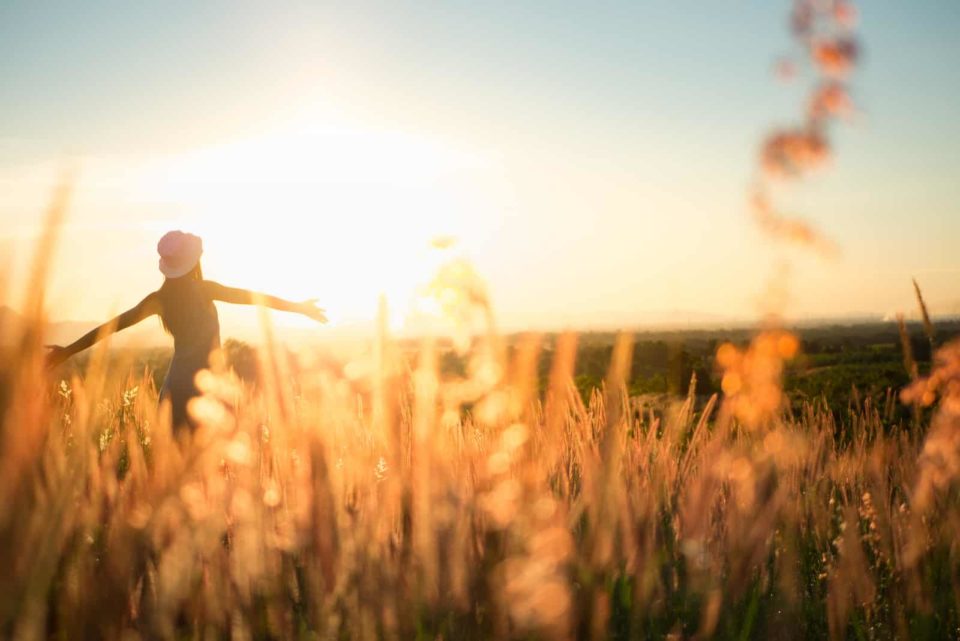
(341, 214)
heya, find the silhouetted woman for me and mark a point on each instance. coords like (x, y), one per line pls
(185, 305)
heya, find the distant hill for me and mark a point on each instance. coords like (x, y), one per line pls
(11, 324)
(60, 333)
(9, 317)
(668, 323)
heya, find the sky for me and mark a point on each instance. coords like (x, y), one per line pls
(593, 160)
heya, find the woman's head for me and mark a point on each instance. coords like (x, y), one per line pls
(195, 273)
(179, 254)
(179, 295)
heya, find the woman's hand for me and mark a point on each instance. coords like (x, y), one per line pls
(56, 355)
(309, 309)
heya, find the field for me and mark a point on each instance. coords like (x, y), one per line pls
(455, 482)
(834, 362)
(628, 486)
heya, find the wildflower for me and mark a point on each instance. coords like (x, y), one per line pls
(751, 377)
(837, 56)
(790, 153)
(828, 100)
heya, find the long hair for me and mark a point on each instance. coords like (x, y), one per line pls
(178, 296)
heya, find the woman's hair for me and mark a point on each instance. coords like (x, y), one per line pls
(177, 295)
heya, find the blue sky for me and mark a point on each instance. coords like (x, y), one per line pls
(616, 142)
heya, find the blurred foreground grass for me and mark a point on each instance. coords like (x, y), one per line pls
(401, 495)
(391, 497)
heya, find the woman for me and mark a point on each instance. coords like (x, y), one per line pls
(185, 305)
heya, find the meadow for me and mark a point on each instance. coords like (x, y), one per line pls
(469, 489)
(764, 483)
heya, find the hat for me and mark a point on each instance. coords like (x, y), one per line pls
(179, 253)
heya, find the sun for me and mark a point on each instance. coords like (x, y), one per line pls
(344, 215)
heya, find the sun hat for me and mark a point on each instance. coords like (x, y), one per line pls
(179, 253)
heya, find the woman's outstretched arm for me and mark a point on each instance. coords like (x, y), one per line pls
(246, 297)
(145, 308)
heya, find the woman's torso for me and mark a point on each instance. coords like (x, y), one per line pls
(191, 318)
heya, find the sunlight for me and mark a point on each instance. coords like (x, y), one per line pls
(339, 214)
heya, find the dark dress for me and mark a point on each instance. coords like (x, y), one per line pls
(190, 316)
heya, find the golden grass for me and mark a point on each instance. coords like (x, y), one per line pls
(383, 500)
(391, 502)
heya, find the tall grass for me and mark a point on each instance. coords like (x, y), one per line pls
(383, 500)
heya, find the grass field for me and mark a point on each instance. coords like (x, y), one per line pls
(760, 483)
(422, 493)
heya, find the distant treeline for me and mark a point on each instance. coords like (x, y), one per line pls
(834, 360)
